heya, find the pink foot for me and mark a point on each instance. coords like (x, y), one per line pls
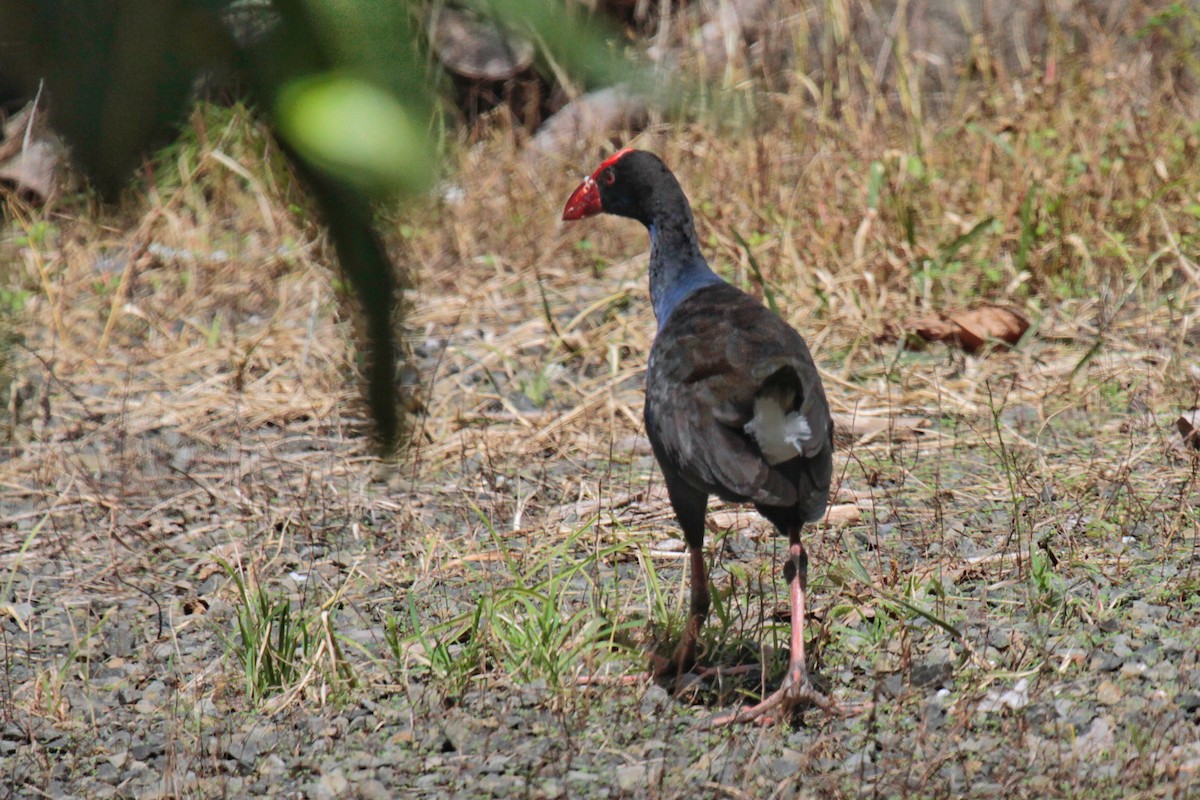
(796, 688)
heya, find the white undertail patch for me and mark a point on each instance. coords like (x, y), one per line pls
(781, 437)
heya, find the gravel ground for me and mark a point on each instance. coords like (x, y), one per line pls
(120, 678)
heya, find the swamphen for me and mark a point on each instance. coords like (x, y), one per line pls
(734, 403)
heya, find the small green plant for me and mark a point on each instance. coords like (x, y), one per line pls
(938, 270)
(36, 234)
(537, 386)
(451, 652)
(755, 240)
(536, 638)
(1020, 527)
(280, 647)
(212, 334)
(271, 639)
(534, 634)
(541, 626)
(51, 683)
(1048, 589)
(13, 300)
(1179, 25)
(907, 607)
(667, 614)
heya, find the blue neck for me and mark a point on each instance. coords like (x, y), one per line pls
(676, 267)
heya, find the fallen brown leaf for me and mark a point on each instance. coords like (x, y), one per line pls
(992, 323)
(1189, 428)
(972, 329)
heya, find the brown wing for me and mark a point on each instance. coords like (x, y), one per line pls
(716, 352)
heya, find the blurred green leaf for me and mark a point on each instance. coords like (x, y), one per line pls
(353, 129)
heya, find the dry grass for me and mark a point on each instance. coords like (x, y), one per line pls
(185, 392)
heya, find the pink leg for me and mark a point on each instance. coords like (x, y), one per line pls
(796, 686)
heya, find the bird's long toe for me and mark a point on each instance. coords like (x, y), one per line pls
(795, 690)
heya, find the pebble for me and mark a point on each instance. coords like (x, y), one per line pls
(1149, 653)
(332, 784)
(373, 789)
(364, 722)
(499, 785)
(1133, 706)
(655, 700)
(1162, 672)
(106, 772)
(1012, 699)
(999, 638)
(934, 713)
(154, 696)
(120, 641)
(461, 736)
(1108, 693)
(246, 748)
(58, 744)
(856, 762)
(495, 764)
(270, 765)
(551, 789)
(1099, 738)
(147, 750)
(632, 777)
(650, 748)
(787, 764)
(205, 707)
(101, 792)
(22, 611)
(892, 685)
(580, 776)
(1140, 610)
(428, 781)
(1132, 669)
(1040, 713)
(931, 673)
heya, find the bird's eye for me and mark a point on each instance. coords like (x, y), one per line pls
(610, 177)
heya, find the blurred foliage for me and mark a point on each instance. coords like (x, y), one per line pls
(345, 84)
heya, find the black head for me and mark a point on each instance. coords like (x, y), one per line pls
(629, 183)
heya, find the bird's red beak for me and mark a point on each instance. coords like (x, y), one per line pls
(584, 201)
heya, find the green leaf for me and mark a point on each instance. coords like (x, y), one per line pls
(768, 292)
(357, 131)
(950, 250)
